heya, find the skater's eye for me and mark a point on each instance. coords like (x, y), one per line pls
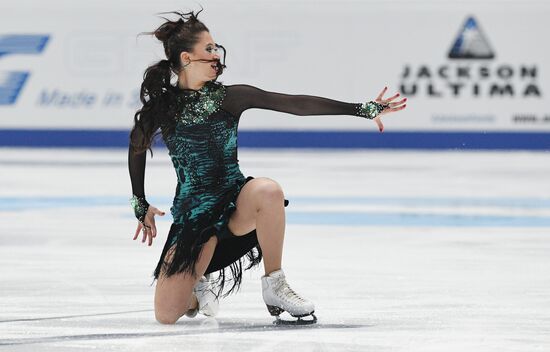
(210, 49)
(213, 49)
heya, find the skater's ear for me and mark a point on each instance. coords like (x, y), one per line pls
(185, 58)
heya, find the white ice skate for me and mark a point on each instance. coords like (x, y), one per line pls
(279, 297)
(208, 301)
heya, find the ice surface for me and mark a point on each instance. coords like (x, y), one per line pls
(399, 251)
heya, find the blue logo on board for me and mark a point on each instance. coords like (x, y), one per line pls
(471, 43)
(11, 82)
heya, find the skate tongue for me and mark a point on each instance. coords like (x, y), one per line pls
(277, 274)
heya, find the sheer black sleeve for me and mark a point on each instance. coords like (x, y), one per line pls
(136, 168)
(241, 97)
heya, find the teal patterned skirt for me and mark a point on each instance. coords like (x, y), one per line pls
(232, 255)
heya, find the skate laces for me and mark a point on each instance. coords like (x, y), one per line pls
(285, 292)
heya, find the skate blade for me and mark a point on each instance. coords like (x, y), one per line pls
(276, 311)
(298, 321)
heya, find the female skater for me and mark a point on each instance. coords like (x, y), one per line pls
(221, 220)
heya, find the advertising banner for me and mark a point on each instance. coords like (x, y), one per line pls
(474, 68)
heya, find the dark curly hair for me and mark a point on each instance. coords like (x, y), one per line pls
(157, 94)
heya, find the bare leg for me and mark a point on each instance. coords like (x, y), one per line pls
(270, 228)
(260, 206)
(174, 294)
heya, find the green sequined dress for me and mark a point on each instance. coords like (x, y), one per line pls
(203, 150)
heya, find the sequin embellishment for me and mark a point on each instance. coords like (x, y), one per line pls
(140, 206)
(370, 109)
(199, 104)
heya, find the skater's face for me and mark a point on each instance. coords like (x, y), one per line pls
(203, 63)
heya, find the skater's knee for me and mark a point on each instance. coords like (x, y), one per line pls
(269, 191)
(166, 317)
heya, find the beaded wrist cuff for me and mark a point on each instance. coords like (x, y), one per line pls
(140, 206)
(370, 109)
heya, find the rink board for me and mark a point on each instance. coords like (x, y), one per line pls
(296, 139)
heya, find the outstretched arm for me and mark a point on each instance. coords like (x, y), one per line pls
(241, 97)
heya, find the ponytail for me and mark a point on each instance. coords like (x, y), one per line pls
(153, 96)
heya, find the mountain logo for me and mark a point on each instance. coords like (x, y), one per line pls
(471, 43)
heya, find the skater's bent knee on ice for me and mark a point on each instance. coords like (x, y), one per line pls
(166, 318)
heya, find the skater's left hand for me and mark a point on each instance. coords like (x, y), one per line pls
(394, 106)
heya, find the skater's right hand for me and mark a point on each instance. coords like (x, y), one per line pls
(149, 230)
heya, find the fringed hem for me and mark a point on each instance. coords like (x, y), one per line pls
(188, 246)
(253, 257)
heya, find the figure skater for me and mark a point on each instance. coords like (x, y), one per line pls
(222, 220)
